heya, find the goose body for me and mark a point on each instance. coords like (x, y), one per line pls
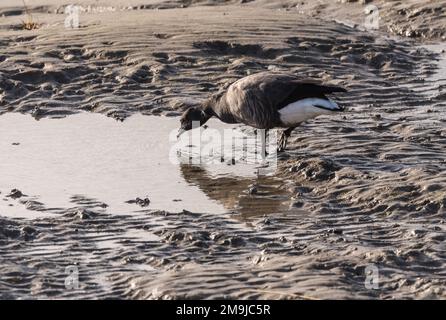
(267, 100)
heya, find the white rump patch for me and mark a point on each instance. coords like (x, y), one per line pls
(303, 110)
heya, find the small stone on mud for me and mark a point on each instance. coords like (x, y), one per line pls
(28, 230)
(377, 117)
(283, 156)
(296, 204)
(300, 190)
(15, 194)
(418, 233)
(253, 190)
(335, 231)
(141, 202)
(233, 242)
(256, 259)
(83, 214)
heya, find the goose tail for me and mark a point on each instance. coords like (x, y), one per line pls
(327, 104)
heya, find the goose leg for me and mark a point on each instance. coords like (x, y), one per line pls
(263, 138)
(284, 139)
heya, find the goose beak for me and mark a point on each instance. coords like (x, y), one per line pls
(180, 132)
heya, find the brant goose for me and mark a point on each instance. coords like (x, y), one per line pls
(266, 100)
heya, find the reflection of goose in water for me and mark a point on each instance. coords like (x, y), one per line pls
(248, 196)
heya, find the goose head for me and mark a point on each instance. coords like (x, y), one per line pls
(192, 118)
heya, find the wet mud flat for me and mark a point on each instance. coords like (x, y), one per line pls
(421, 20)
(359, 190)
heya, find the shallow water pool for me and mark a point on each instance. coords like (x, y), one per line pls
(91, 159)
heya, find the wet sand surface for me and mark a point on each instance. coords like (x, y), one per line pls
(365, 188)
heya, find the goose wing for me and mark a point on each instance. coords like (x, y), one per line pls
(256, 100)
(299, 90)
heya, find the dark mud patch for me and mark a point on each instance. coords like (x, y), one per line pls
(19, 11)
(315, 169)
(219, 47)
